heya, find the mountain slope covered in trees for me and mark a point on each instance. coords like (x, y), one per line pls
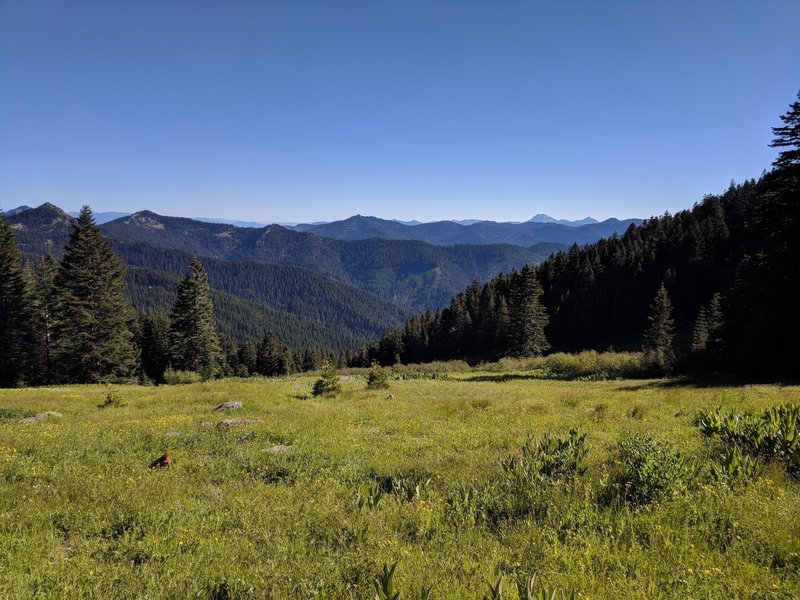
(412, 275)
(239, 318)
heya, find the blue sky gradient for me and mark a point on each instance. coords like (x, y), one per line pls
(306, 111)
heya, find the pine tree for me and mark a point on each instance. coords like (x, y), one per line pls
(788, 136)
(45, 305)
(231, 356)
(528, 316)
(92, 339)
(328, 382)
(14, 316)
(152, 339)
(272, 358)
(658, 339)
(193, 342)
(700, 332)
(715, 322)
(248, 355)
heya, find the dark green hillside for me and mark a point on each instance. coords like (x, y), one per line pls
(304, 293)
(409, 274)
(40, 228)
(238, 318)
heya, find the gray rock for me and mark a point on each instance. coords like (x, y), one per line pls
(229, 406)
(279, 449)
(50, 414)
(225, 423)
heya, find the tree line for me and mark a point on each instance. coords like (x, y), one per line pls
(71, 321)
(713, 288)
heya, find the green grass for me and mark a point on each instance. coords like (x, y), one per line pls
(83, 516)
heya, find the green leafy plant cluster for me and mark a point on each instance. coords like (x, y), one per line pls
(16, 413)
(177, 377)
(649, 470)
(377, 378)
(736, 468)
(773, 435)
(552, 459)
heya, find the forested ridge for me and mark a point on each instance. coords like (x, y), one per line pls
(730, 267)
(239, 318)
(412, 275)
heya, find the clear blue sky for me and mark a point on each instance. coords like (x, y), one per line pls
(303, 111)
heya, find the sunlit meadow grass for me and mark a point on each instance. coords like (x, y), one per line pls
(83, 516)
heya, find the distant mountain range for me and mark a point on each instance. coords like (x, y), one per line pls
(540, 228)
(448, 233)
(305, 287)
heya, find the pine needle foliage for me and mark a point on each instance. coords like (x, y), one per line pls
(13, 309)
(92, 334)
(193, 341)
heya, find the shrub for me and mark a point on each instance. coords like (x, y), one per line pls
(16, 413)
(589, 365)
(775, 435)
(173, 377)
(112, 401)
(551, 459)
(328, 382)
(736, 468)
(649, 470)
(377, 378)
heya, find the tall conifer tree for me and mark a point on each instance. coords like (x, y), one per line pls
(14, 314)
(660, 334)
(528, 316)
(92, 338)
(193, 341)
(45, 302)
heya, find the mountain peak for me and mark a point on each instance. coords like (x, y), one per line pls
(14, 211)
(543, 218)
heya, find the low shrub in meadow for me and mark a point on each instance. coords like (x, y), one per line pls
(648, 470)
(173, 377)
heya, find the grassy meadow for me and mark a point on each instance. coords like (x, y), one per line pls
(318, 494)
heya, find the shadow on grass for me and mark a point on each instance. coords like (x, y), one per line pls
(643, 383)
(503, 377)
(701, 383)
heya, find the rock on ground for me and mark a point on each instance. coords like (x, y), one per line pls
(279, 449)
(229, 406)
(50, 414)
(225, 423)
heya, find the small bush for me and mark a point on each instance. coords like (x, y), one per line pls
(173, 377)
(589, 365)
(16, 413)
(328, 382)
(775, 435)
(649, 470)
(736, 468)
(112, 401)
(377, 378)
(550, 460)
